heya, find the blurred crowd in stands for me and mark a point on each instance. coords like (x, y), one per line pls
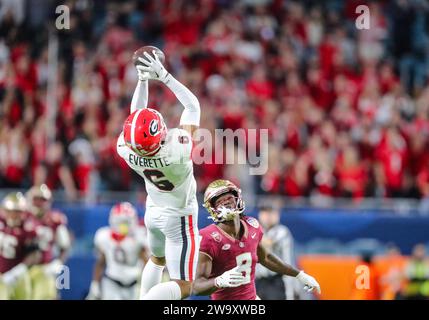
(347, 109)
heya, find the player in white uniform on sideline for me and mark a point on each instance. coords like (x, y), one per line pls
(163, 159)
(122, 253)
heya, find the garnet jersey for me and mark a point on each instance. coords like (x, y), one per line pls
(122, 254)
(168, 174)
(16, 242)
(47, 233)
(227, 252)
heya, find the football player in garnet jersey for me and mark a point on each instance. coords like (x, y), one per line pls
(163, 159)
(18, 247)
(53, 236)
(121, 255)
(231, 247)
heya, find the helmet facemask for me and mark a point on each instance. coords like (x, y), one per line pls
(39, 206)
(122, 225)
(39, 200)
(228, 207)
(123, 219)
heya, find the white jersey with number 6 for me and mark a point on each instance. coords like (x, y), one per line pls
(168, 174)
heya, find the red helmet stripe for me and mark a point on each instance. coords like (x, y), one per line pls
(133, 128)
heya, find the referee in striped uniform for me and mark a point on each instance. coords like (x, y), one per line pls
(278, 239)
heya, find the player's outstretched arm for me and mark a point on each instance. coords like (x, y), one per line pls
(203, 285)
(270, 261)
(190, 119)
(141, 92)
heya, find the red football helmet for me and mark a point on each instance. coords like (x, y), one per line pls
(123, 218)
(145, 131)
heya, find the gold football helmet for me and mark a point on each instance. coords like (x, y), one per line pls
(216, 189)
(39, 199)
(13, 207)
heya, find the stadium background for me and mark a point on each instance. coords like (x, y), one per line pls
(346, 109)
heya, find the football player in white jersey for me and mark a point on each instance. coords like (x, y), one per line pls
(163, 158)
(122, 252)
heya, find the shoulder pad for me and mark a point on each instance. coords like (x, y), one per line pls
(58, 217)
(253, 222)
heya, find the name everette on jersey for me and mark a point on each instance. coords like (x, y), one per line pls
(168, 175)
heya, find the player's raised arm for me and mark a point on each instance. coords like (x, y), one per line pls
(270, 261)
(141, 93)
(190, 119)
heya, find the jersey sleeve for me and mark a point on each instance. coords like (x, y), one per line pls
(254, 223)
(261, 233)
(183, 142)
(58, 218)
(208, 245)
(62, 237)
(121, 146)
(99, 239)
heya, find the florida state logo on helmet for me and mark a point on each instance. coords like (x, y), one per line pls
(145, 131)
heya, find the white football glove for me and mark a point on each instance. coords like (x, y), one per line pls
(142, 75)
(94, 291)
(229, 279)
(154, 67)
(53, 267)
(309, 282)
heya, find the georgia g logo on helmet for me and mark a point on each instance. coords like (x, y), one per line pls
(153, 128)
(145, 131)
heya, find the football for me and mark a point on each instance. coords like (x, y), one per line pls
(140, 53)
